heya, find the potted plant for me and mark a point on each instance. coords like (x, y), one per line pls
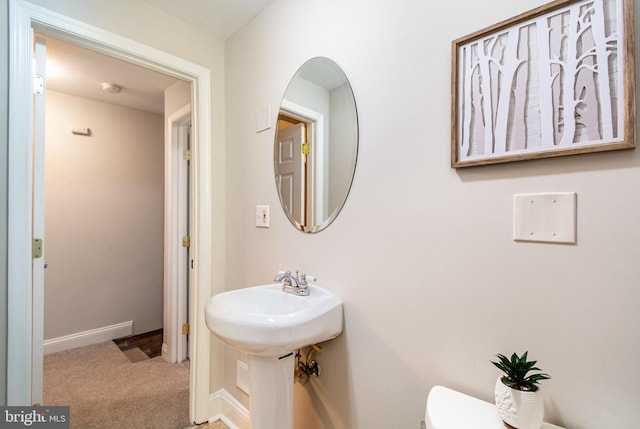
(518, 396)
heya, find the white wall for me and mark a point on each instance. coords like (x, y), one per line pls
(176, 97)
(104, 199)
(342, 157)
(433, 284)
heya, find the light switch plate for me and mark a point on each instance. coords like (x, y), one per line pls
(262, 216)
(545, 217)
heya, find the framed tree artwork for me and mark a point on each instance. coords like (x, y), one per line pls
(557, 80)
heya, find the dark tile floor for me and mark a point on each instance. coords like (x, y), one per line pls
(149, 342)
(215, 425)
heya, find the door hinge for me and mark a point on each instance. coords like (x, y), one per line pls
(186, 329)
(36, 248)
(186, 241)
(186, 154)
(38, 85)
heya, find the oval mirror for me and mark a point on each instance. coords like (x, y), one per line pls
(316, 144)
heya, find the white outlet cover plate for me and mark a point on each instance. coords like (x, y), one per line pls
(262, 216)
(545, 217)
(242, 376)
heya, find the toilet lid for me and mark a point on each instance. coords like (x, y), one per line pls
(448, 409)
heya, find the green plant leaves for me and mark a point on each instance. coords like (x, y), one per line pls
(516, 369)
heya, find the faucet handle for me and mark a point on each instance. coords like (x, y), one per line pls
(304, 277)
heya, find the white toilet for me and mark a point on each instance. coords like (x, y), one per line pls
(448, 409)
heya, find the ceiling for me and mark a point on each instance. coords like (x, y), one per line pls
(220, 18)
(80, 71)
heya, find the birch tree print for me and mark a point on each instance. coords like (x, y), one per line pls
(548, 83)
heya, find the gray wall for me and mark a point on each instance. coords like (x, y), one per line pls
(4, 123)
(104, 215)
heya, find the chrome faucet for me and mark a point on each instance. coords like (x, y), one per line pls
(296, 285)
(289, 280)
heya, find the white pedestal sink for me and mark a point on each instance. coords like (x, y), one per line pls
(269, 325)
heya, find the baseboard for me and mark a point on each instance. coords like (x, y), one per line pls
(223, 406)
(86, 338)
(165, 352)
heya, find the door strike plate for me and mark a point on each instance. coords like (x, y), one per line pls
(36, 248)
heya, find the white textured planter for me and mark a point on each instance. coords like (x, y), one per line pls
(522, 410)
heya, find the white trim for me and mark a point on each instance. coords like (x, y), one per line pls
(175, 255)
(23, 17)
(19, 311)
(85, 338)
(223, 406)
(37, 293)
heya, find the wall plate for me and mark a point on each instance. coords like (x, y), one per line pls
(242, 376)
(262, 216)
(545, 217)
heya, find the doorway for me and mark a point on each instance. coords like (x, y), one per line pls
(105, 195)
(314, 202)
(24, 317)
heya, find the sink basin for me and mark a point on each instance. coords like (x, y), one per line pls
(266, 321)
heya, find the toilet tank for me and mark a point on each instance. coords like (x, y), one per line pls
(448, 409)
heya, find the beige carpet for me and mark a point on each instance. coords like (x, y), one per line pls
(106, 390)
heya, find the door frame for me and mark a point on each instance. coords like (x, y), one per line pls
(177, 221)
(38, 225)
(317, 175)
(24, 18)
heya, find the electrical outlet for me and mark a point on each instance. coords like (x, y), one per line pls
(262, 216)
(242, 376)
